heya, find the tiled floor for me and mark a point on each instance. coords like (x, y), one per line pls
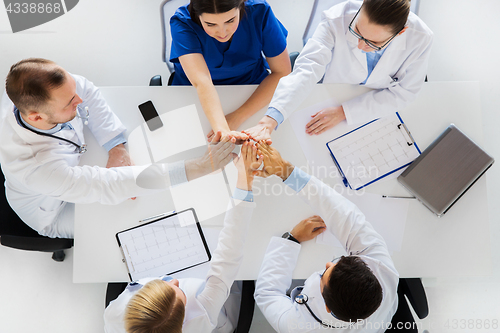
(118, 42)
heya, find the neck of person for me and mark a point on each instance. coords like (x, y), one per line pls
(40, 123)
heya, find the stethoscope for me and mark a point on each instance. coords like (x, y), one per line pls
(81, 148)
(302, 299)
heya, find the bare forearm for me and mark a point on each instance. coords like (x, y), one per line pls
(244, 182)
(210, 103)
(260, 98)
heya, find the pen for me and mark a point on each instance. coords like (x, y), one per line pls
(396, 197)
(156, 217)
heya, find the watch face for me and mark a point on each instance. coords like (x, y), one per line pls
(286, 235)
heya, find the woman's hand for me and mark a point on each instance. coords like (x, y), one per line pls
(247, 163)
(233, 121)
(324, 120)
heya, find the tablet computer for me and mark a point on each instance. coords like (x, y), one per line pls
(446, 170)
(165, 245)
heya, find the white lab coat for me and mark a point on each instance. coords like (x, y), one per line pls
(358, 237)
(332, 52)
(205, 308)
(42, 173)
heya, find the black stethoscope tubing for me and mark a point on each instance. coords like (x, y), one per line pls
(81, 149)
(302, 299)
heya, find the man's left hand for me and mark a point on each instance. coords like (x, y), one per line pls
(309, 228)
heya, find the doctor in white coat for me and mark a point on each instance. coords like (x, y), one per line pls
(376, 43)
(355, 293)
(193, 305)
(42, 142)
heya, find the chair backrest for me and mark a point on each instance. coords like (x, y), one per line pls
(16, 234)
(10, 223)
(320, 6)
(167, 9)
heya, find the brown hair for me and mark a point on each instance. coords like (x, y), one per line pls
(29, 82)
(198, 7)
(154, 308)
(393, 13)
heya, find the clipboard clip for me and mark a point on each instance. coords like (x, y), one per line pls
(156, 217)
(406, 134)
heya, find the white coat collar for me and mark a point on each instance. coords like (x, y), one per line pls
(192, 287)
(397, 44)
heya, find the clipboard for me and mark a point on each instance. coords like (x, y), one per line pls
(373, 151)
(166, 244)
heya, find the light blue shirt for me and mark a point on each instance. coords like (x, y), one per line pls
(372, 59)
(119, 139)
(276, 115)
(243, 195)
(297, 179)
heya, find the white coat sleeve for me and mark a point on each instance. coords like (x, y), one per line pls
(102, 122)
(87, 184)
(226, 258)
(309, 68)
(344, 220)
(274, 279)
(404, 88)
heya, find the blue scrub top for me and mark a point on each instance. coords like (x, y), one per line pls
(239, 61)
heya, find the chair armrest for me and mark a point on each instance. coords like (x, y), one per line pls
(113, 290)
(155, 81)
(43, 244)
(414, 291)
(247, 307)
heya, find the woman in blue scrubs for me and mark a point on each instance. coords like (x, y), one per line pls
(223, 42)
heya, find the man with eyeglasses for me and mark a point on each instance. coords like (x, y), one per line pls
(376, 43)
(355, 293)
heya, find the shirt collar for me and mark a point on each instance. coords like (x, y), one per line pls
(53, 130)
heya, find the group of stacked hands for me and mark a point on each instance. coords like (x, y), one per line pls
(377, 43)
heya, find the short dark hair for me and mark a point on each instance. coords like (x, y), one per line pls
(393, 13)
(198, 7)
(352, 292)
(29, 82)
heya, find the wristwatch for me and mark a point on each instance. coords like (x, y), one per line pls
(289, 236)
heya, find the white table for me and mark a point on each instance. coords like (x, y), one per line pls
(432, 246)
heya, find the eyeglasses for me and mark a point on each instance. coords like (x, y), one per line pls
(367, 42)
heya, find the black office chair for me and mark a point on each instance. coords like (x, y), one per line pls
(414, 291)
(247, 304)
(16, 234)
(156, 80)
(293, 57)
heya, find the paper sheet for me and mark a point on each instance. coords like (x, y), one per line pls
(208, 195)
(181, 132)
(387, 216)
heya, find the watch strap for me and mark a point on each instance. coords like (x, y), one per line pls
(289, 236)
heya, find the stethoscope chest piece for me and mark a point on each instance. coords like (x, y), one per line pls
(301, 298)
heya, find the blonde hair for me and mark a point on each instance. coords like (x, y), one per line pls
(154, 308)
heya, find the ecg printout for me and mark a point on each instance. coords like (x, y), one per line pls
(163, 247)
(373, 150)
